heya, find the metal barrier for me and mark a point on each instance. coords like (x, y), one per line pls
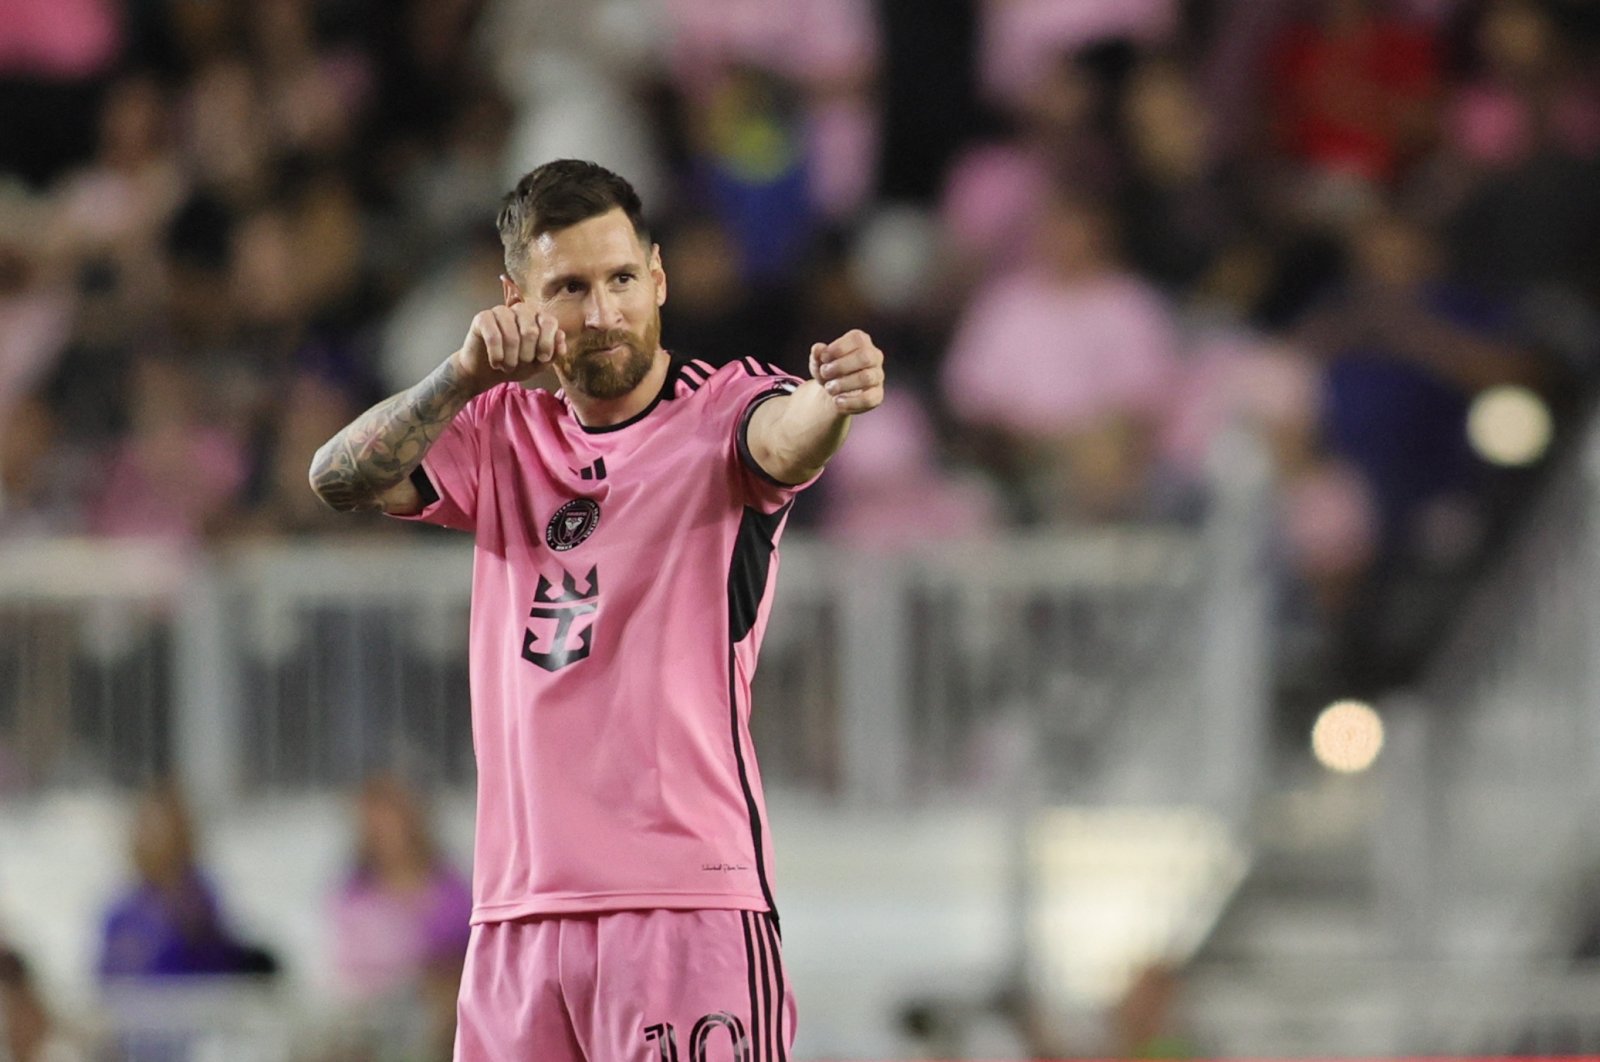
(1112, 657)
(1109, 667)
(1395, 1008)
(88, 642)
(1496, 777)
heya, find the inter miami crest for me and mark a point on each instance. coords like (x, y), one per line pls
(572, 523)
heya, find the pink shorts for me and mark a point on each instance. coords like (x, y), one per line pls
(626, 986)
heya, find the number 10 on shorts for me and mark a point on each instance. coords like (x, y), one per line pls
(665, 1037)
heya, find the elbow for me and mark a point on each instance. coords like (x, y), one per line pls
(796, 474)
(337, 489)
(785, 468)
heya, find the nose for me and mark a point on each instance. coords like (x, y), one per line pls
(601, 311)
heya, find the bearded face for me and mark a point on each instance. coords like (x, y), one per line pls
(604, 285)
(609, 364)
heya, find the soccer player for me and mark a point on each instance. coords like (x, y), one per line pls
(626, 532)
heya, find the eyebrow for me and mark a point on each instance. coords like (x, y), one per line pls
(557, 283)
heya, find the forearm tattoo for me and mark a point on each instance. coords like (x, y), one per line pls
(383, 446)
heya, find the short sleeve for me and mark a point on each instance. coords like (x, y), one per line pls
(740, 388)
(448, 475)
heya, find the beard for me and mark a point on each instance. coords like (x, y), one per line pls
(598, 374)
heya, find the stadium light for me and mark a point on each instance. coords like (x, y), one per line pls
(1347, 737)
(1509, 426)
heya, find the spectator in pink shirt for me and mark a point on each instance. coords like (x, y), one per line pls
(1065, 366)
(64, 39)
(1057, 136)
(1022, 39)
(1524, 88)
(35, 314)
(889, 491)
(54, 55)
(114, 211)
(174, 476)
(400, 920)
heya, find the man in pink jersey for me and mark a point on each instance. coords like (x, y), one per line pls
(626, 530)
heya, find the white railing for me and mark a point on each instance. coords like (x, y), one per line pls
(1395, 1008)
(1110, 668)
(1496, 768)
(1130, 664)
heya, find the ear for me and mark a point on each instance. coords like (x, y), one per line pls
(509, 289)
(658, 274)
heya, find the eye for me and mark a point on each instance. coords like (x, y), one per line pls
(573, 287)
(625, 278)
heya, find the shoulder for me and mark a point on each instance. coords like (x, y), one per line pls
(731, 385)
(751, 376)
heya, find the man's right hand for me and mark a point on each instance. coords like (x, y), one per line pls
(509, 343)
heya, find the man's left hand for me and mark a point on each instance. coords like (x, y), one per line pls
(850, 369)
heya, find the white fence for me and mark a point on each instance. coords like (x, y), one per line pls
(911, 690)
(1129, 663)
(1498, 767)
(1396, 1008)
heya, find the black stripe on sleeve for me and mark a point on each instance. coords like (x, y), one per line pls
(425, 487)
(770, 926)
(750, 969)
(743, 437)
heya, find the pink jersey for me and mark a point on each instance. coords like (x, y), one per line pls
(621, 585)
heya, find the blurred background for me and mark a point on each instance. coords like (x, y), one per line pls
(1196, 656)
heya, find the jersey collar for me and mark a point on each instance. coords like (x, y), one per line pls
(669, 386)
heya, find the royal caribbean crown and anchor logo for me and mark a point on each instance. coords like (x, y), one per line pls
(563, 629)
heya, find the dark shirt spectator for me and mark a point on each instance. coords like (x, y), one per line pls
(1406, 350)
(169, 922)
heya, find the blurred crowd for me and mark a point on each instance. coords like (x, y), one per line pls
(1091, 234)
(1094, 236)
(395, 924)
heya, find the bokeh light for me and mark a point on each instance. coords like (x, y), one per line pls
(1347, 737)
(1509, 426)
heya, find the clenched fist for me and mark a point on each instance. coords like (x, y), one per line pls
(510, 343)
(851, 370)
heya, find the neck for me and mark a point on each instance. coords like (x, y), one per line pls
(604, 412)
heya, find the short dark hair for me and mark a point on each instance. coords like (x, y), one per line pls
(560, 194)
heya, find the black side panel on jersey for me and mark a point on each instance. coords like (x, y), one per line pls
(747, 582)
(747, 572)
(744, 786)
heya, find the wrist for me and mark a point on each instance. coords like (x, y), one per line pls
(458, 372)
